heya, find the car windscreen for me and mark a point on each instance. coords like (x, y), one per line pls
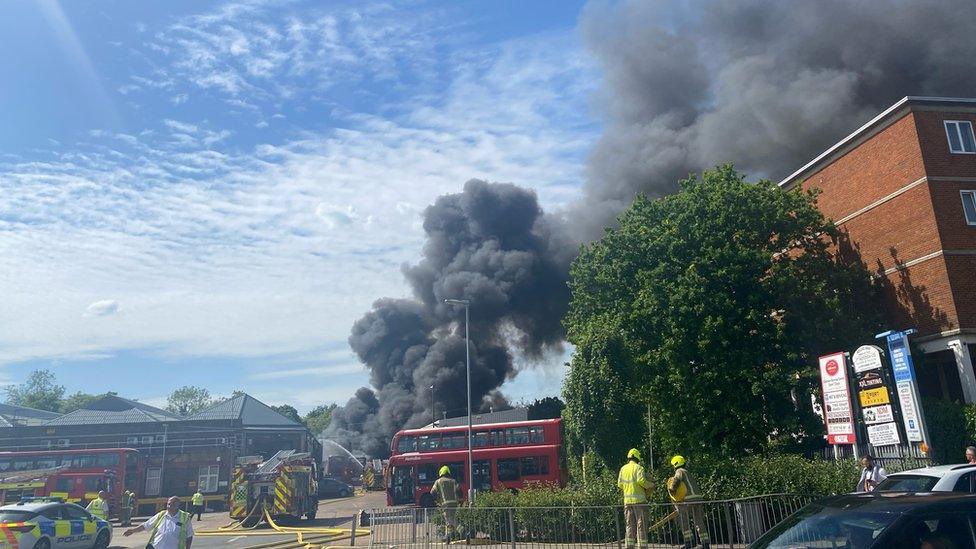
(817, 526)
(908, 483)
(15, 515)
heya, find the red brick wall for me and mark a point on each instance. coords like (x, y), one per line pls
(955, 233)
(935, 145)
(962, 276)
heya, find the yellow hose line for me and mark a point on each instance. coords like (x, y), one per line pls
(311, 530)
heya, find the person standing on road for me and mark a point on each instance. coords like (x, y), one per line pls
(197, 501)
(125, 509)
(871, 475)
(169, 529)
(99, 506)
(683, 491)
(971, 455)
(632, 483)
(447, 493)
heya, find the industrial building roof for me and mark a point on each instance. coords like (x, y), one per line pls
(15, 416)
(114, 409)
(249, 410)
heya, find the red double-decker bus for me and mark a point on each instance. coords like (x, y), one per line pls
(506, 456)
(75, 475)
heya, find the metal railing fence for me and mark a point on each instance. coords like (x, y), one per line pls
(724, 523)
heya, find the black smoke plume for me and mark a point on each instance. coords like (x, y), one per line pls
(491, 245)
(766, 84)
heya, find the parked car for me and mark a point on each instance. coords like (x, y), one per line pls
(51, 524)
(879, 519)
(334, 488)
(941, 478)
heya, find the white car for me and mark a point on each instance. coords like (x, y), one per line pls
(51, 524)
(940, 478)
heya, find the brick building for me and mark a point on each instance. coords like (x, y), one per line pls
(181, 453)
(902, 190)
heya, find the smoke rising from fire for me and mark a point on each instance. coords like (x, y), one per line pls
(764, 84)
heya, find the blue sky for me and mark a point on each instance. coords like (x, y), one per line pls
(210, 193)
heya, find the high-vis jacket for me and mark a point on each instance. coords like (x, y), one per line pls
(631, 481)
(182, 519)
(98, 508)
(445, 489)
(197, 499)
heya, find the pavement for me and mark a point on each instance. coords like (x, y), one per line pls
(332, 513)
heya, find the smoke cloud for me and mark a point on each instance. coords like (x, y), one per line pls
(766, 84)
(491, 245)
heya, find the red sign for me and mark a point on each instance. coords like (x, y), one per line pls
(838, 413)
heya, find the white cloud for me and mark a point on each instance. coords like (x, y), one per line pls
(105, 307)
(276, 248)
(314, 371)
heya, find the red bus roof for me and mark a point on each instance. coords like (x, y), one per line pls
(479, 453)
(479, 427)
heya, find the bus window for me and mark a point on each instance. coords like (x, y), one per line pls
(426, 473)
(94, 484)
(508, 469)
(537, 435)
(455, 441)
(481, 439)
(47, 463)
(517, 435)
(457, 470)
(406, 444)
(107, 460)
(422, 442)
(498, 437)
(434, 443)
(536, 465)
(82, 461)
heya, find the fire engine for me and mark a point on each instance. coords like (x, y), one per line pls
(285, 486)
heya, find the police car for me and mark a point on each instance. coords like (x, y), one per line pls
(49, 523)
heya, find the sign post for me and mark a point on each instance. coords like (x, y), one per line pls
(903, 368)
(874, 397)
(838, 413)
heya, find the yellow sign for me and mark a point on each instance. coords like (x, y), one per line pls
(873, 397)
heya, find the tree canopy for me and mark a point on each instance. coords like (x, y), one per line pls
(40, 391)
(709, 307)
(289, 412)
(189, 400)
(318, 418)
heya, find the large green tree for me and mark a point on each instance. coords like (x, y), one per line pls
(710, 307)
(40, 391)
(188, 400)
(319, 418)
(288, 411)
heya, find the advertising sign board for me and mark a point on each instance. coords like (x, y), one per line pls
(904, 373)
(838, 412)
(874, 396)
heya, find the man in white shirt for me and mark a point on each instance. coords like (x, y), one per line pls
(871, 475)
(169, 529)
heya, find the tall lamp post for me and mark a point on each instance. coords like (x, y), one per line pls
(467, 361)
(433, 414)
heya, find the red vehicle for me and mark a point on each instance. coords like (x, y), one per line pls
(75, 475)
(506, 456)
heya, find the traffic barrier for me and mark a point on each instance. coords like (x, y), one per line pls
(725, 523)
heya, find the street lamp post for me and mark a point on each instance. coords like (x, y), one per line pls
(467, 361)
(433, 414)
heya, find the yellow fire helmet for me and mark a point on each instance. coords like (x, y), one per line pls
(445, 471)
(634, 453)
(677, 461)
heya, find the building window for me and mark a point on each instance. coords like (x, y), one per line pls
(160, 438)
(207, 481)
(64, 442)
(152, 481)
(960, 134)
(969, 206)
(132, 440)
(147, 440)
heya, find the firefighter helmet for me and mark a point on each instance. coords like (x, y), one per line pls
(445, 471)
(677, 461)
(634, 453)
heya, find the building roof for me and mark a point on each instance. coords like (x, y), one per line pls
(16, 416)
(875, 125)
(114, 409)
(250, 411)
(504, 416)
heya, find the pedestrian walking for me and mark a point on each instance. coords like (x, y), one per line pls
(871, 475)
(683, 491)
(99, 506)
(169, 529)
(197, 501)
(447, 493)
(632, 483)
(971, 455)
(125, 508)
